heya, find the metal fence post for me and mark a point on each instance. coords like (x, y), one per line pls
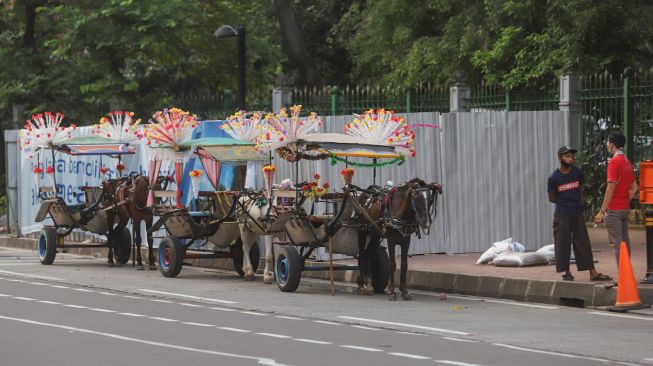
(409, 99)
(507, 100)
(334, 100)
(570, 88)
(628, 125)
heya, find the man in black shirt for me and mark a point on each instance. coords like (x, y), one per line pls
(564, 186)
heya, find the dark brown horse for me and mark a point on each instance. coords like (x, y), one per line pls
(129, 196)
(402, 211)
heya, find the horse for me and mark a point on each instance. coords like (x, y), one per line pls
(130, 202)
(402, 211)
(253, 211)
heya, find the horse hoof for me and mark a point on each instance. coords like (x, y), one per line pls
(110, 264)
(406, 297)
(152, 267)
(392, 297)
(140, 267)
(267, 280)
(249, 277)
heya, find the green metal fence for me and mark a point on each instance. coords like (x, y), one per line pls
(485, 97)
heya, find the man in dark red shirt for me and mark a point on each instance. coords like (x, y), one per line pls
(620, 189)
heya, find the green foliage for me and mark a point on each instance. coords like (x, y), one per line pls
(594, 167)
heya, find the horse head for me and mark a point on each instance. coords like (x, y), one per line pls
(424, 199)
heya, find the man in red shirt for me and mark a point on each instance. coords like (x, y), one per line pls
(620, 189)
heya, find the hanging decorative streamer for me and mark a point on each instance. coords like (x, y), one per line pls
(335, 159)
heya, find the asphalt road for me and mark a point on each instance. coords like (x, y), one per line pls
(78, 311)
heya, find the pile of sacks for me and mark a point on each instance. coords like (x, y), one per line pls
(508, 253)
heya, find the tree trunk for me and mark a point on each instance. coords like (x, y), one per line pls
(308, 72)
(29, 38)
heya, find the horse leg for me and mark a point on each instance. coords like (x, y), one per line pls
(362, 263)
(150, 244)
(405, 244)
(267, 272)
(248, 239)
(110, 236)
(393, 266)
(139, 239)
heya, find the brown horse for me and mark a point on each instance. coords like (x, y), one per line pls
(403, 211)
(129, 196)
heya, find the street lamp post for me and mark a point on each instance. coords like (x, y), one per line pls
(227, 31)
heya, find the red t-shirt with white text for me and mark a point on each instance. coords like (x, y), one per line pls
(620, 171)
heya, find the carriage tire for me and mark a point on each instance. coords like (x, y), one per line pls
(47, 245)
(123, 246)
(237, 256)
(380, 264)
(288, 269)
(171, 256)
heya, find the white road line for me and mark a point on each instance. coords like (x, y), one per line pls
(133, 297)
(326, 322)
(191, 305)
(223, 309)
(59, 286)
(5, 295)
(504, 302)
(163, 319)
(408, 355)
(361, 348)
(311, 341)
(24, 298)
(551, 353)
(76, 306)
(189, 296)
(460, 340)
(252, 313)
(415, 334)
(83, 290)
(38, 283)
(620, 316)
(198, 324)
(274, 335)
(164, 301)
(259, 360)
(107, 293)
(132, 314)
(234, 329)
(49, 302)
(404, 325)
(287, 317)
(447, 362)
(32, 276)
(362, 327)
(103, 310)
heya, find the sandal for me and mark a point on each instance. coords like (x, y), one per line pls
(567, 277)
(601, 277)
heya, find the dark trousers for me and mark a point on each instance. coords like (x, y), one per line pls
(568, 230)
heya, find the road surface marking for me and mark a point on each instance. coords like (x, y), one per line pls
(447, 362)
(164, 301)
(5, 295)
(198, 324)
(133, 297)
(416, 334)
(252, 313)
(59, 286)
(163, 319)
(107, 293)
(191, 305)
(189, 296)
(76, 306)
(552, 353)
(408, 355)
(83, 290)
(362, 327)
(38, 283)
(505, 302)
(24, 298)
(621, 316)
(460, 340)
(311, 341)
(103, 310)
(32, 276)
(326, 322)
(361, 348)
(259, 360)
(223, 309)
(234, 329)
(405, 325)
(274, 335)
(132, 314)
(287, 317)
(49, 302)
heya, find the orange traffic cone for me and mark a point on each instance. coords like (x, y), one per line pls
(627, 293)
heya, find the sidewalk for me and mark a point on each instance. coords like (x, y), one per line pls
(459, 274)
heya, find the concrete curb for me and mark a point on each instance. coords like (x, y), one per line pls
(578, 294)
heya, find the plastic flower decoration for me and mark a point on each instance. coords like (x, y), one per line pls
(120, 126)
(37, 174)
(103, 172)
(282, 129)
(120, 167)
(385, 127)
(244, 126)
(170, 127)
(347, 175)
(268, 173)
(38, 169)
(195, 173)
(43, 130)
(49, 170)
(195, 176)
(313, 189)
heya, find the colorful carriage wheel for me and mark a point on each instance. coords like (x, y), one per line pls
(289, 268)
(171, 256)
(47, 245)
(237, 256)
